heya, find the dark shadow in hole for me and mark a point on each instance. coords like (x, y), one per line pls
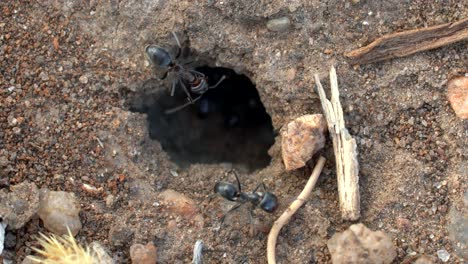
(228, 124)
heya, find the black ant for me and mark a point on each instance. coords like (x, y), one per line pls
(195, 80)
(267, 201)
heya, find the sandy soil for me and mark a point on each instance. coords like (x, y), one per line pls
(71, 70)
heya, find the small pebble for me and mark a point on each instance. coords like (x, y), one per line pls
(443, 255)
(424, 260)
(10, 240)
(358, 244)
(110, 200)
(180, 205)
(328, 51)
(59, 210)
(279, 24)
(141, 254)
(44, 76)
(83, 79)
(19, 205)
(457, 93)
(301, 138)
(16, 130)
(12, 121)
(89, 188)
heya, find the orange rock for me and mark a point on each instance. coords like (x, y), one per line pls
(457, 93)
(424, 260)
(301, 139)
(180, 205)
(171, 224)
(141, 254)
(328, 51)
(55, 42)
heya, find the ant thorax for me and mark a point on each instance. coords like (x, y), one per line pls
(251, 197)
(184, 74)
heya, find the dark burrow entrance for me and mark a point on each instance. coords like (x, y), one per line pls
(228, 124)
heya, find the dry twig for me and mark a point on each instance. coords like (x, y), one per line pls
(405, 43)
(344, 146)
(286, 216)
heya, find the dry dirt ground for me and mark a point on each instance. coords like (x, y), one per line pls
(71, 70)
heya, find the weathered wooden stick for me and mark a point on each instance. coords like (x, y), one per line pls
(286, 216)
(408, 42)
(344, 146)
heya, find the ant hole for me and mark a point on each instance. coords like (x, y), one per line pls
(227, 124)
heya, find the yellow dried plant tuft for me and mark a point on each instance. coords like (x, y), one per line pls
(63, 250)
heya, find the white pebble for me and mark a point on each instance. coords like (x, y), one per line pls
(83, 79)
(59, 211)
(279, 24)
(443, 255)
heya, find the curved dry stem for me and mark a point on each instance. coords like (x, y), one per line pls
(286, 216)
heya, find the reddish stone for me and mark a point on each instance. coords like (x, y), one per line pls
(457, 93)
(301, 139)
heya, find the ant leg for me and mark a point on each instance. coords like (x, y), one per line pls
(164, 75)
(187, 92)
(251, 221)
(235, 207)
(174, 84)
(218, 83)
(251, 215)
(211, 197)
(179, 47)
(175, 109)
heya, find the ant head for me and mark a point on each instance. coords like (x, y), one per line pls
(158, 56)
(227, 190)
(269, 202)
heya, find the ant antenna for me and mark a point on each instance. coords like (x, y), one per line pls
(219, 82)
(237, 178)
(260, 185)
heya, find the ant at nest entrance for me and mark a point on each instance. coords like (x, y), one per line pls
(204, 114)
(227, 124)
